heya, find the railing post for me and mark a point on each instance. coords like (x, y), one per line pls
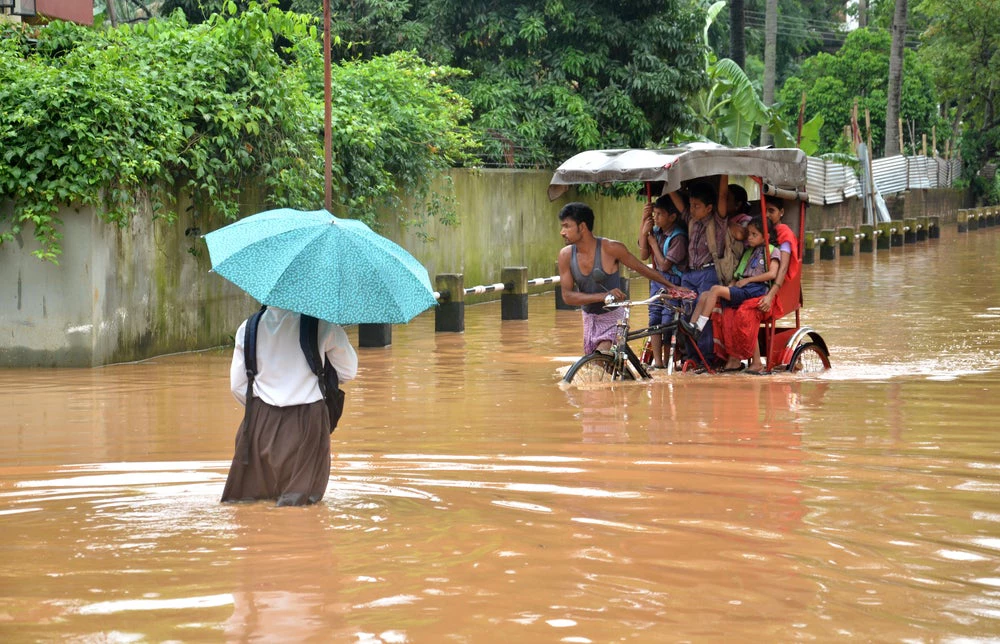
(867, 244)
(514, 298)
(963, 220)
(560, 303)
(922, 229)
(827, 250)
(449, 316)
(847, 244)
(896, 238)
(909, 231)
(809, 250)
(883, 241)
(934, 228)
(374, 335)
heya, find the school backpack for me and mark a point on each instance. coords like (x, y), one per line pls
(329, 381)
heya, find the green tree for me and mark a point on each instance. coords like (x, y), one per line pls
(859, 70)
(97, 116)
(962, 46)
(549, 79)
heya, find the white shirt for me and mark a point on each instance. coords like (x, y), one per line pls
(283, 375)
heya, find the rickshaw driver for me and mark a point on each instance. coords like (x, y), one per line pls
(585, 278)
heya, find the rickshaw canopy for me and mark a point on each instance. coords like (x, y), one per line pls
(780, 167)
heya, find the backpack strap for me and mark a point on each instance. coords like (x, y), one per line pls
(250, 362)
(666, 246)
(308, 340)
(329, 379)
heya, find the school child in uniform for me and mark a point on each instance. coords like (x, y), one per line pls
(664, 238)
(753, 276)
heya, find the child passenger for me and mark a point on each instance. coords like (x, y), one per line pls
(753, 277)
(663, 237)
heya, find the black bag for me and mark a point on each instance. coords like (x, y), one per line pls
(329, 381)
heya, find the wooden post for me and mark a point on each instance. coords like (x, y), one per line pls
(923, 146)
(934, 140)
(514, 298)
(449, 316)
(902, 139)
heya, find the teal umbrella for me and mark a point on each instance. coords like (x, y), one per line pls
(338, 270)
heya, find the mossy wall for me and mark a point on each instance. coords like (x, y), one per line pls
(122, 294)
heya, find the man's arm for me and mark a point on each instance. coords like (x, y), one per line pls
(722, 204)
(619, 252)
(567, 283)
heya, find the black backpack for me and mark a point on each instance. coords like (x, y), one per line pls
(329, 382)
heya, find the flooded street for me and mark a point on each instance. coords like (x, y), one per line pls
(472, 499)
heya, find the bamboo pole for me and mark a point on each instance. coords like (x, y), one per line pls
(923, 148)
(934, 140)
(902, 138)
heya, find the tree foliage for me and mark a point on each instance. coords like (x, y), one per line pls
(860, 70)
(98, 116)
(962, 47)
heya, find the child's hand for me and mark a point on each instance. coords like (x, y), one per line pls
(741, 283)
(647, 212)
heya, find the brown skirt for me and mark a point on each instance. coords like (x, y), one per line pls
(282, 453)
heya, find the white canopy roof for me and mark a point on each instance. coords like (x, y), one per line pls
(781, 167)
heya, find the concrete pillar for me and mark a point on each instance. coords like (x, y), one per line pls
(973, 219)
(847, 244)
(884, 239)
(922, 226)
(909, 231)
(809, 250)
(828, 249)
(963, 220)
(449, 316)
(374, 335)
(867, 243)
(896, 233)
(934, 228)
(514, 298)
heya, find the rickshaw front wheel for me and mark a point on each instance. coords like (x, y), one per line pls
(809, 357)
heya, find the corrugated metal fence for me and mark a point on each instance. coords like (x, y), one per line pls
(828, 182)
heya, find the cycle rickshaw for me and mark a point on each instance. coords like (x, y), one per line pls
(776, 172)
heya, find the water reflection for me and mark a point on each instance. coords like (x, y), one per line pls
(473, 499)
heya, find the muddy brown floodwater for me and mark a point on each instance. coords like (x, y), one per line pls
(473, 500)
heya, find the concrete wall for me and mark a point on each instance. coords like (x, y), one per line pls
(121, 294)
(118, 294)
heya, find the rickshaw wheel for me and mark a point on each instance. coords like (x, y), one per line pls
(809, 357)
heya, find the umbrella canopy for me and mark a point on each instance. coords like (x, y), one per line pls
(784, 167)
(338, 270)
